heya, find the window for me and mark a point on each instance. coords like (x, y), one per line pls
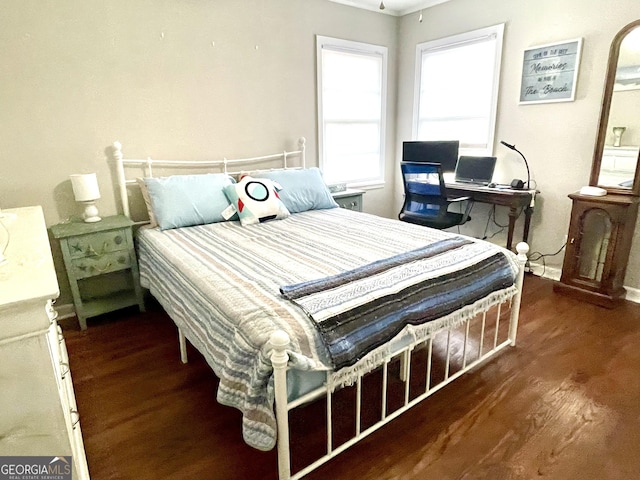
(351, 111)
(457, 89)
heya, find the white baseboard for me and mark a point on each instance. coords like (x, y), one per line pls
(552, 273)
(633, 294)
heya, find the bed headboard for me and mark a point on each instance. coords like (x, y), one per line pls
(128, 169)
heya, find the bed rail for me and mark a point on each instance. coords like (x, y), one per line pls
(225, 165)
(280, 341)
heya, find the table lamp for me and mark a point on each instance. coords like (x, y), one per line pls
(85, 190)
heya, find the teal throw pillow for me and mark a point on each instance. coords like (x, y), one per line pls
(302, 190)
(185, 200)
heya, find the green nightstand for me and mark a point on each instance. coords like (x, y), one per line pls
(349, 199)
(101, 264)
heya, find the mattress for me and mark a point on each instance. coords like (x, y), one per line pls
(220, 283)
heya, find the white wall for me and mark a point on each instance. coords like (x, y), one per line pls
(167, 78)
(78, 74)
(558, 138)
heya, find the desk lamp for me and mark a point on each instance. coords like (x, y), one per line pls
(516, 182)
(85, 190)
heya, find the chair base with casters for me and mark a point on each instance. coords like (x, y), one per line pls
(425, 197)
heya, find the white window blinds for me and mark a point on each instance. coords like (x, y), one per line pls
(351, 110)
(457, 89)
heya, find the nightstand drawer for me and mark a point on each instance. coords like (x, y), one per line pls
(97, 265)
(349, 199)
(98, 244)
(352, 203)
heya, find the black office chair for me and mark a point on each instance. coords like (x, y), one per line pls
(425, 197)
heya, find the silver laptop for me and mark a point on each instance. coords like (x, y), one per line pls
(475, 170)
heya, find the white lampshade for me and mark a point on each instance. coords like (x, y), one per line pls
(85, 187)
(85, 190)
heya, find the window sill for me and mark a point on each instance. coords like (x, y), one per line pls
(366, 185)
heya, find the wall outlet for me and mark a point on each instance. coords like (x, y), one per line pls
(565, 239)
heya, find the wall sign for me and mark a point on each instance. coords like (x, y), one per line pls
(550, 72)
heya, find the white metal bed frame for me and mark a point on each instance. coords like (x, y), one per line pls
(280, 340)
(223, 166)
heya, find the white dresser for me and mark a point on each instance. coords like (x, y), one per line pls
(38, 412)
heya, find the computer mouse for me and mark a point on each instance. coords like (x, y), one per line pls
(492, 185)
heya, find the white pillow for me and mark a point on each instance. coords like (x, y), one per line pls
(256, 200)
(147, 201)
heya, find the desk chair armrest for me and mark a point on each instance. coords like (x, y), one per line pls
(467, 212)
(458, 199)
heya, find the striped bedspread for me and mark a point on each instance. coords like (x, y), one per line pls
(220, 284)
(359, 310)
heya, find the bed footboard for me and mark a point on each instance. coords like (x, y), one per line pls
(522, 248)
(485, 349)
(279, 358)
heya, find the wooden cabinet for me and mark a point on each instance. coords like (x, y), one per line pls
(598, 246)
(349, 199)
(38, 411)
(101, 265)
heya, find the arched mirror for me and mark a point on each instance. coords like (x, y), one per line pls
(615, 160)
(602, 227)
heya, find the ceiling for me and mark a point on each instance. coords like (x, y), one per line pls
(392, 7)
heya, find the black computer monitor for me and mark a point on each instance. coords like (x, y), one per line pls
(444, 152)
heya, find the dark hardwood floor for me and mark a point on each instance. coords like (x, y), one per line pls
(563, 404)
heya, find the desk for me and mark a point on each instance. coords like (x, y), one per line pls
(514, 199)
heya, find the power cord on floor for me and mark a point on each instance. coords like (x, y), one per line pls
(536, 256)
(533, 256)
(492, 216)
